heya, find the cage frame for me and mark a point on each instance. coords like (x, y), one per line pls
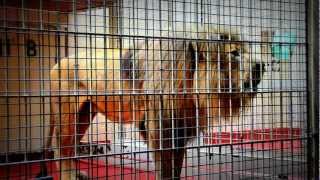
(312, 42)
(312, 24)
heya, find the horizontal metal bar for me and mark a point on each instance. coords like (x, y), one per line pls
(137, 37)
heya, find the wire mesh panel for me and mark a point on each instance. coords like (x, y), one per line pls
(151, 89)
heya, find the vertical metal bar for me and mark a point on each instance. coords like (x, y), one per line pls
(184, 73)
(105, 45)
(219, 75)
(301, 96)
(113, 24)
(90, 31)
(208, 76)
(75, 93)
(7, 118)
(173, 76)
(41, 82)
(272, 97)
(282, 89)
(312, 10)
(290, 104)
(196, 78)
(118, 44)
(241, 68)
(264, 38)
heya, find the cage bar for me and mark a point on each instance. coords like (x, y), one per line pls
(159, 89)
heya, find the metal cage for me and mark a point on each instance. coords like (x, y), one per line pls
(159, 89)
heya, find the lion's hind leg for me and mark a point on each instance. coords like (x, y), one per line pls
(86, 113)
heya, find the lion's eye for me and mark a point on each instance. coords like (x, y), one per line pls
(235, 53)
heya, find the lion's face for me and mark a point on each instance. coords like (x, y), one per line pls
(227, 77)
(239, 71)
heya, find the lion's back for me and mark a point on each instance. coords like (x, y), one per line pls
(85, 68)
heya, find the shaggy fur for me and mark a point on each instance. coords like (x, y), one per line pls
(167, 88)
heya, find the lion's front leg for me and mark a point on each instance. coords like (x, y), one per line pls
(168, 160)
(66, 138)
(65, 147)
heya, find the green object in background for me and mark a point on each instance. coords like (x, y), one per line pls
(282, 45)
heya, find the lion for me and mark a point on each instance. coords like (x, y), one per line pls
(170, 88)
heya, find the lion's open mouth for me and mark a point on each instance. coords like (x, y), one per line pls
(253, 82)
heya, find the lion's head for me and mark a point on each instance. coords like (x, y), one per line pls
(225, 77)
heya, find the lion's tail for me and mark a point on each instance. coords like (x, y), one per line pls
(51, 130)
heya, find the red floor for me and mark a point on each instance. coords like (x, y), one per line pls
(284, 139)
(99, 170)
(96, 170)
